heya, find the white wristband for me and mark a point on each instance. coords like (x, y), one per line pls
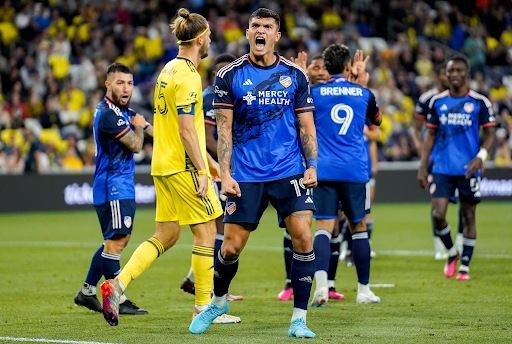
(482, 154)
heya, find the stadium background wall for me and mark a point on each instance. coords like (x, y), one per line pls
(395, 183)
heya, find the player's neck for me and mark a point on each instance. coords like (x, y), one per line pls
(458, 92)
(266, 60)
(190, 54)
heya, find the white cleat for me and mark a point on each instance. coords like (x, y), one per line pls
(320, 298)
(368, 297)
(441, 255)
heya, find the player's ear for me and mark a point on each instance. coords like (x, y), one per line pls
(348, 67)
(247, 34)
(278, 36)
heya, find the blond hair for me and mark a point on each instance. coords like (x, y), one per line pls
(188, 26)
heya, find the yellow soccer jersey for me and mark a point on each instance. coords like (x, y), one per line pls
(178, 92)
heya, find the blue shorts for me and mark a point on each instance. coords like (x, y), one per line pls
(430, 166)
(287, 195)
(354, 198)
(444, 186)
(116, 217)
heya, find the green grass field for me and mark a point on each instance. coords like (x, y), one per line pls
(44, 259)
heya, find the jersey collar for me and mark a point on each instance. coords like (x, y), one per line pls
(275, 64)
(338, 78)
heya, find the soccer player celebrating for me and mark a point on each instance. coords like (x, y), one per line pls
(118, 133)
(453, 122)
(420, 114)
(180, 169)
(210, 122)
(342, 108)
(257, 99)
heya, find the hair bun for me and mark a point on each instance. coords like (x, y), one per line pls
(183, 13)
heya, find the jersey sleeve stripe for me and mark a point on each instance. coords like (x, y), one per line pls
(305, 108)
(223, 104)
(222, 72)
(209, 122)
(430, 125)
(417, 115)
(122, 132)
(476, 95)
(492, 124)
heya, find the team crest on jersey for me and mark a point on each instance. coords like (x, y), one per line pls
(230, 207)
(285, 81)
(469, 107)
(128, 221)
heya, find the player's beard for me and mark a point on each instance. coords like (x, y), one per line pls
(117, 100)
(203, 51)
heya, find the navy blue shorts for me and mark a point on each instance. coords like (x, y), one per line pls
(444, 186)
(116, 217)
(354, 198)
(287, 195)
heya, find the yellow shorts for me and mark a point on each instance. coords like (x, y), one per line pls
(176, 199)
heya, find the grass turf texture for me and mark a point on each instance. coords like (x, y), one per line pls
(44, 259)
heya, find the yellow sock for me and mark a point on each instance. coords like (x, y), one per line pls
(140, 260)
(202, 265)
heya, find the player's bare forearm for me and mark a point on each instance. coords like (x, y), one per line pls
(418, 125)
(428, 144)
(134, 139)
(211, 143)
(373, 134)
(225, 140)
(489, 137)
(308, 135)
(190, 141)
(149, 130)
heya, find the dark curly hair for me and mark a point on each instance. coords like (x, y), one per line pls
(336, 56)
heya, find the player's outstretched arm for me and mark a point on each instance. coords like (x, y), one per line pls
(309, 146)
(477, 162)
(224, 117)
(134, 139)
(190, 141)
(428, 144)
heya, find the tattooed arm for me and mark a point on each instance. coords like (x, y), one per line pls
(148, 130)
(309, 146)
(224, 117)
(134, 139)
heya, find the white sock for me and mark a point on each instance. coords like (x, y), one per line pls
(88, 289)
(190, 275)
(363, 288)
(321, 279)
(200, 308)
(121, 285)
(299, 313)
(464, 268)
(122, 298)
(330, 284)
(453, 251)
(220, 301)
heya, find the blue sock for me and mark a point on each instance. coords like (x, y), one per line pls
(335, 256)
(303, 271)
(219, 238)
(322, 249)
(361, 254)
(468, 245)
(445, 236)
(369, 227)
(111, 265)
(95, 270)
(288, 255)
(461, 225)
(225, 271)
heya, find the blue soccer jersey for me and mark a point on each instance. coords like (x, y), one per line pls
(265, 102)
(341, 112)
(113, 178)
(458, 122)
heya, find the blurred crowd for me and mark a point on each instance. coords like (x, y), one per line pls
(54, 56)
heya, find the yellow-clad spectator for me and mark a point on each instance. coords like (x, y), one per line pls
(7, 12)
(9, 33)
(331, 19)
(153, 48)
(231, 28)
(443, 29)
(506, 36)
(72, 98)
(60, 66)
(129, 56)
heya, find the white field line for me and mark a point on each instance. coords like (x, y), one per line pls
(71, 244)
(44, 340)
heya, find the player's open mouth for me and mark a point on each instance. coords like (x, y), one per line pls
(260, 42)
(125, 98)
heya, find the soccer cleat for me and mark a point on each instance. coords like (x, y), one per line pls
(188, 286)
(373, 254)
(230, 297)
(349, 259)
(440, 256)
(451, 266)
(203, 320)
(299, 329)
(221, 319)
(333, 294)
(462, 276)
(131, 308)
(111, 292)
(88, 301)
(369, 297)
(286, 294)
(320, 298)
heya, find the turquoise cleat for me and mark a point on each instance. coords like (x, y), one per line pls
(203, 320)
(299, 329)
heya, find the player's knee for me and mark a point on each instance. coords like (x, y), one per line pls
(438, 217)
(230, 251)
(301, 241)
